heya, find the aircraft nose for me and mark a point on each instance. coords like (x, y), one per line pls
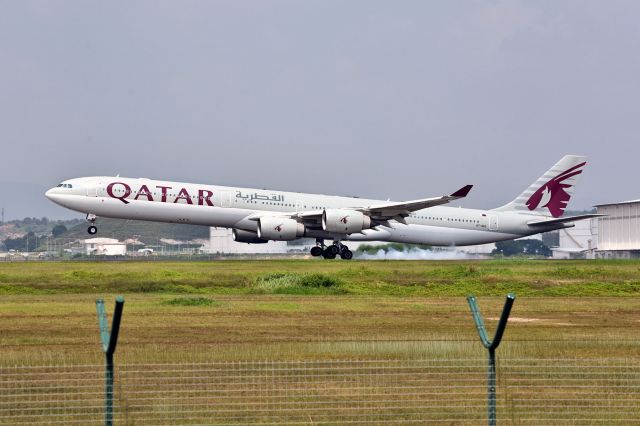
(49, 194)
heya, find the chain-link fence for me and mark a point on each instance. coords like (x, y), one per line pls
(390, 391)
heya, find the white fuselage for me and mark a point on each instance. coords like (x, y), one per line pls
(231, 207)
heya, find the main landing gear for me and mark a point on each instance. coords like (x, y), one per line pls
(332, 251)
(93, 229)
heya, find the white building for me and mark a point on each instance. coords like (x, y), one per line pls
(619, 231)
(221, 241)
(104, 247)
(581, 241)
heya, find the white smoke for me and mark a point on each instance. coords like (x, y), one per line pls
(415, 253)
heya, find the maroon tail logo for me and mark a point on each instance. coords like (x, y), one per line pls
(278, 228)
(345, 220)
(552, 194)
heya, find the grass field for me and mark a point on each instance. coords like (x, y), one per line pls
(317, 277)
(308, 309)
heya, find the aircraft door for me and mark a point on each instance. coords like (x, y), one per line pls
(299, 206)
(92, 190)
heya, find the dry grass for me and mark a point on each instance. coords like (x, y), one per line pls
(156, 328)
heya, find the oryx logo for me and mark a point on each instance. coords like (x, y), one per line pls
(552, 194)
(344, 220)
(278, 228)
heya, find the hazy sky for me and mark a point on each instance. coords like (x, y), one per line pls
(394, 99)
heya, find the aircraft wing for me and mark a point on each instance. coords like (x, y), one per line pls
(403, 208)
(381, 213)
(556, 221)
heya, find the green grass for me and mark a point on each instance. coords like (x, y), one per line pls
(372, 278)
(297, 283)
(190, 301)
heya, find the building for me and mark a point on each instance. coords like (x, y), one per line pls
(104, 247)
(578, 242)
(221, 241)
(619, 230)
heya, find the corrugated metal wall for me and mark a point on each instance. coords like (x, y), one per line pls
(620, 230)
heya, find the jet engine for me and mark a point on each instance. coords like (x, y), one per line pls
(279, 229)
(345, 221)
(249, 237)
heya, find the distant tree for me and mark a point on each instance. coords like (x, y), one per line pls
(13, 243)
(26, 243)
(522, 247)
(58, 230)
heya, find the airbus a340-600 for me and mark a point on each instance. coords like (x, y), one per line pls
(258, 216)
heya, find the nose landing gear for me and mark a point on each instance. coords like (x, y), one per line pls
(92, 229)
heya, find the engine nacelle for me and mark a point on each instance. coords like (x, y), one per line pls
(279, 229)
(249, 237)
(345, 221)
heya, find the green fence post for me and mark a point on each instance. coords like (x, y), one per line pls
(109, 342)
(491, 347)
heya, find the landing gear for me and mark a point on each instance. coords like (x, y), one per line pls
(93, 229)
(316, 251)
(332, 251)
(346, 254)
(328, 255)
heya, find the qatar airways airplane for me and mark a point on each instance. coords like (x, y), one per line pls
(257, 215)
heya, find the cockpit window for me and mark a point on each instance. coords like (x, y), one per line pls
(64, 185)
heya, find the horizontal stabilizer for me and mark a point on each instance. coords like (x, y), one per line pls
(564, 219)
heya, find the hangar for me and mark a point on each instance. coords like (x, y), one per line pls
(619, 231)
(578, 242)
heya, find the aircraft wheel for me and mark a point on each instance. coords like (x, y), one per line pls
(316, 251)
(328, 255)
(92, 230)
(333, 249)
(346, 254)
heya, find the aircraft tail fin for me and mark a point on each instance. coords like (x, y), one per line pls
(550, 194)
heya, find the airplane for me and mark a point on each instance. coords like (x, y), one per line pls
(258, 216)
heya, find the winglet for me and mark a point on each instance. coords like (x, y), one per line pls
(462, 192)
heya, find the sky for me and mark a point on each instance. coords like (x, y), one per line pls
(394, 99)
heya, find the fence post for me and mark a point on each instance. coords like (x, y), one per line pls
(109, 342)
(491, 347)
